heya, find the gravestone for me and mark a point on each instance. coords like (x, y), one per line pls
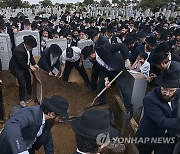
(137, 84)
(117, 14)
(146, 13)
(1, 104)
(81, 45)
(107, 13)
(164, 11)
(137, 14)
(168, 14)
(84, 43)
(174, 14)
(19, 39)
(157, 14)
(61, 42)
(5, 51)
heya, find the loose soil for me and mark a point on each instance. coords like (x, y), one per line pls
(76, 94)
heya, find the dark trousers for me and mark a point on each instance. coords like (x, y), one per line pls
(94, 77)
(68, 67)
(121, 84)
(24, 81)
(157, 148)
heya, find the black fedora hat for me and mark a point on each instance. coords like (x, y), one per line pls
(169, 79)
(55, 50)
(57, 104)
(110, 29)
(86, 51)
(92, 123)
(30, 40)
(158, 57)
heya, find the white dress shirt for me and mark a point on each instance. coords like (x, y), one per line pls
(102, 63)
(28, 53)
(76, 55)
(170, 105)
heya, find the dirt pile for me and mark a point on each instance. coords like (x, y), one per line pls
(78, 98)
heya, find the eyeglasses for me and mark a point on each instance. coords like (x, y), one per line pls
(170, 90)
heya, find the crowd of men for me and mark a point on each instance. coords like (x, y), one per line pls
(150, 46)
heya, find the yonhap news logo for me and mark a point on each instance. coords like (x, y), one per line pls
(119, 142)
(144, 140)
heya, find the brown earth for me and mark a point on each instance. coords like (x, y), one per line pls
(78, 98)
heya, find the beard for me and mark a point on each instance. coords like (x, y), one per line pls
(168, 98)
(50, 123)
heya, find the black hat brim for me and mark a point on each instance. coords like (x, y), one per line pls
(55, 110)
(86, 51)
(89, 133)
(167, 83)
(30, 40)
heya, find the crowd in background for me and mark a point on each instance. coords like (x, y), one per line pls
(148, 45)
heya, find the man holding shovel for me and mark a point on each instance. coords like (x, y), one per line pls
(110, 60)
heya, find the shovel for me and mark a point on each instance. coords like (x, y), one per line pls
(105, 89)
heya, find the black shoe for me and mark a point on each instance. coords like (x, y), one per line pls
(129, 115)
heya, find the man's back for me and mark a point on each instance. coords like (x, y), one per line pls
(25, 126)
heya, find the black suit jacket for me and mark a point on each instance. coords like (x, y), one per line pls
(21, 130)
(113, 55)
(158, 117)
(140, 48)
(64, 31)
(114, 39)
(19, 60)
(45, 62)
(101, 41)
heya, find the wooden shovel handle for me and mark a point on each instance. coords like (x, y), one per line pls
(106, 87)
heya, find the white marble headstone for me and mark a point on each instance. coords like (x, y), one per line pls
(157, 14)
(84, 43)
(168, 14)
(174, 14)
(19, 39)
(81, 45)
(61, 42)
(5, 51)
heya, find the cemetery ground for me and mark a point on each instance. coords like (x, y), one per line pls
(78, 98)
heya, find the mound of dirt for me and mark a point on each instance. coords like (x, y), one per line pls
(78, 98)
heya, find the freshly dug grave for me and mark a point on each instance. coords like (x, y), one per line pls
(78, 98)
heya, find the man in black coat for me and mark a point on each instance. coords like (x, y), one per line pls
(21, 63)
(50, 59)
(62, 29)
(159, 120)
(160, 63)
(31, 127)
(148, 48)
(98, 41)
(110, 60)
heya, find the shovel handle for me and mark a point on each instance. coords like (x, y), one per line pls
(106, 87)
